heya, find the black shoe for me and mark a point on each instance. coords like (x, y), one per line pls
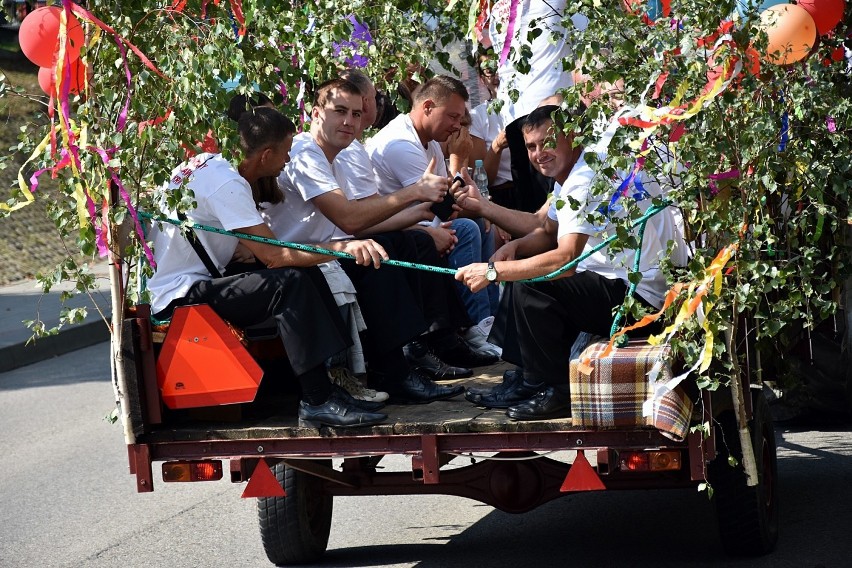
(420, 358)
(547, 403)
(521, 391)
(511, 379)
(455, 351)
(417, 388)
(343, 396)
(337, 414)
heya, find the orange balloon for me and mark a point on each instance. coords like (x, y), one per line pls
(46, 78)
(39, 36)
(791, 33)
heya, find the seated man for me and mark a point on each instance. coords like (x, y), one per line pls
(404, 147)
(550, 315)
(320, 206)
(432, 353)
(296, 296)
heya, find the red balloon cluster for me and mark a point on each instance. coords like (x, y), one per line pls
(39, 39)
(792, 29)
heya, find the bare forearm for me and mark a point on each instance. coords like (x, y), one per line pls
(518, 223)
(532, 267)
(402, 220)
(535, 243)
(364, 214)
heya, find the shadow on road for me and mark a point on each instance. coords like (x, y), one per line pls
(86, 365)
(651, 528)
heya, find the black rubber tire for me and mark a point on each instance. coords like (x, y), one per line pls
(294, 529)
(747, 516)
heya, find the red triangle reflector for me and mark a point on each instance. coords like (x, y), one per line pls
(262, 483)
(581, 476)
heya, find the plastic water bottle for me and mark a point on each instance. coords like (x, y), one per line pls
(480, 178)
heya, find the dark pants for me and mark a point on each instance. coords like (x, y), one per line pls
(530, 187)
(442, 304)
(550, 315)
(399, 304)
(504, 331)
(297, 299)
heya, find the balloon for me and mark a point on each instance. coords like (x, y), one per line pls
(746, 7)
(652, 10)
(826, 13)
(46, 77)
(39, 36)
(791, 33)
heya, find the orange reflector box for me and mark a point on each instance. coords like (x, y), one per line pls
(202, 363)
(202, 470)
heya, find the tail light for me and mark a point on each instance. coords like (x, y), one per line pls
(201, 470)
(665, 460)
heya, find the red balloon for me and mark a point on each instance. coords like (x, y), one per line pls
(39, 36)
(826, 13)
(46, 78)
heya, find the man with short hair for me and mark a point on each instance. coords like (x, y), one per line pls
(550, 315)
(410, 142)
(288, 288)
(320, 206)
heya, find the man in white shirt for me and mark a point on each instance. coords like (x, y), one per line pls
(544, 56)
(319, 205)
(410, 142)
(297, 298)
(550, 315)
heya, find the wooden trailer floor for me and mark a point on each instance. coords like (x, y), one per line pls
(276, 418)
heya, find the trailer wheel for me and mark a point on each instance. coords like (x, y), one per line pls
(294, 529)
(747, 516)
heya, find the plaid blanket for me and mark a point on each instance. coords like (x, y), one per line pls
(610, 392)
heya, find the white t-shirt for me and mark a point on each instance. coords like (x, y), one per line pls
(660, 229)
(546, 74)
(487, 126)
(354, 162)
(308, 175)
(399, 158)
(224, 200)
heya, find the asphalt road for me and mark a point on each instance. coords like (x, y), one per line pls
(66, 499)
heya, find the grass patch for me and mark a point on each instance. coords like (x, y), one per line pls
(29, 241)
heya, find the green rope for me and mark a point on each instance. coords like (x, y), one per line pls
(631, 289)
(296, 246)
(401, 263)
(641, 221)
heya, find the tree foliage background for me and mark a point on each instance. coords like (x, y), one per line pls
(786, 208)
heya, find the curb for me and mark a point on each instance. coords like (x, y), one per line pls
(67, 340)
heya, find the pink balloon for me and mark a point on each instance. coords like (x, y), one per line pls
(826, 13)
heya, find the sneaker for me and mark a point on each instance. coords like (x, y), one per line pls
(341, 377)
(477, 338)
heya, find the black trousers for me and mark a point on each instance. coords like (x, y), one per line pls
(399, 304)
(550, 315)
(297, 299)
(530, 189)
(439, 296)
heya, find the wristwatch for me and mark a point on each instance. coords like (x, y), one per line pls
(491, 273)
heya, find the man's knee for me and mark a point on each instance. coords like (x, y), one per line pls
(467, 231)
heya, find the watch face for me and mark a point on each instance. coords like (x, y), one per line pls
(491, 275)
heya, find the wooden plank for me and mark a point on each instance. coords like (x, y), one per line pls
(456, 415)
